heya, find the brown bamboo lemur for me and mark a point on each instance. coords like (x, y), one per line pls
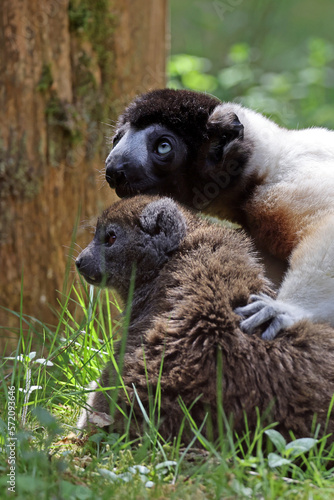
(234, 163)
(191, 274)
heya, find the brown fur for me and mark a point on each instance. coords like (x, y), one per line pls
(185, 320)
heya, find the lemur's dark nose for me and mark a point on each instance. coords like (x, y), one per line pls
(78, 263)
(115, 173)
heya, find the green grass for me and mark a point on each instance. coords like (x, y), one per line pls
(50, 371)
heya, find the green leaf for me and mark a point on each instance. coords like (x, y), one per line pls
(239, 53)
(77, 492)
(97, 438)
(30, 484)
(199, 81)
(300, 446)
(46, 419)
(277, 439)
(275, 460)
(241, 490)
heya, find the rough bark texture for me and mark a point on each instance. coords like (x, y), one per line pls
(66, 69)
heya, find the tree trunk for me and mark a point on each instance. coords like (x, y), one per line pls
(66, 69)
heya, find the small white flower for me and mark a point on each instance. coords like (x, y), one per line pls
(166, 465)
(126, 477)
(35, 387)
(43, 361)
(139, 468)
(108, 474)
(31, 389)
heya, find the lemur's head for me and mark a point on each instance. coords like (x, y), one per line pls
(139, 234)
(169, 142)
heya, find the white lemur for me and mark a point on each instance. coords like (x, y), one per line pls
(234, 163)
(190, 276)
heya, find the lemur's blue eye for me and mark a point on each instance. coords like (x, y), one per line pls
(164, 147)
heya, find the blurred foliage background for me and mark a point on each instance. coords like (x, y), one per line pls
(274, 57)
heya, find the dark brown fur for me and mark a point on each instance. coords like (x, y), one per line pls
(184, 319)
(183, 111)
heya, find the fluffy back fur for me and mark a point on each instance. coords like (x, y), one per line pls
(183, 320)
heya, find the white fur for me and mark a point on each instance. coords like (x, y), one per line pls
(279, 152)
(295, 171)
(309, 282)
(85, 412)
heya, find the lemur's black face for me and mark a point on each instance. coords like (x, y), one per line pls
(151, 160)
(178, 143)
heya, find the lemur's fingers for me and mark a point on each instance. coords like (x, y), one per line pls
(265, 308)
(277, 324)
(258, 303)
(264, 314)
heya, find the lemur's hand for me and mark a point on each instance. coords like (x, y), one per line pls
(264, 308)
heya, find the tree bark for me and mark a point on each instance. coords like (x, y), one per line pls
(67, 68)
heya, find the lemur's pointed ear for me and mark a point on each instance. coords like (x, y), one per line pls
(164, 223)
(224, 131)
(223, 123)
